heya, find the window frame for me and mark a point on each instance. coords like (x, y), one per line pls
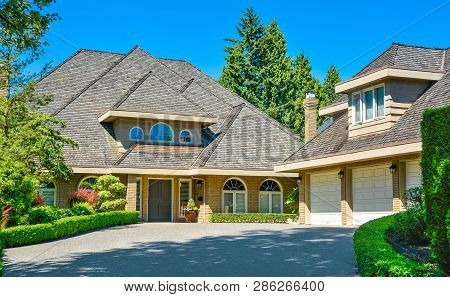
(161, 141)
(363, 104)
(270, 195)
(234, 192)
(136, 127)
(190, 135)
(54, 190)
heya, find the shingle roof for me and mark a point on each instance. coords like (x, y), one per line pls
(335, 141)
(92, 82)
(341, 99)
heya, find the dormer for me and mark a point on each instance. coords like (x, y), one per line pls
(385, 89)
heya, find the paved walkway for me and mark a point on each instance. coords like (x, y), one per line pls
(154, 249)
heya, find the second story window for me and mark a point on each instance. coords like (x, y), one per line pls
(161, 132)
(368, 104)
(136, 134)
(185, 137)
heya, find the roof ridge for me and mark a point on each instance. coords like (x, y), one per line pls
(94, 81)
(248, 104)
(418, 46)
(133, 88)
(395, 55)
(101, 51)
(59, 65)
(367, 65)
(228, 121)
(170, 59)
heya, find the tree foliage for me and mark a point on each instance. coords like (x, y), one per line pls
(258, 69)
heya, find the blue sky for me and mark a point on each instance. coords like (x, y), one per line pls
(348, 34)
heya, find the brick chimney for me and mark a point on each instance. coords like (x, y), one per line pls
(310, 104)
(3, 87)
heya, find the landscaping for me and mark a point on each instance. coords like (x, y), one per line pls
(280, 218)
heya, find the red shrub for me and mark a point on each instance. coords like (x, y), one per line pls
(83, 195)
(38, 200)
(5, 216)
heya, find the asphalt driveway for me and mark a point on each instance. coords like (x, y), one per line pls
(166, 249)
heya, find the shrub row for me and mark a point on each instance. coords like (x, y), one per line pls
(376, 257)
(31, 234)
(252, 217)
(408, 228)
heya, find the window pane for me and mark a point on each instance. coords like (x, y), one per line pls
(185, 137)
(161, 132)
(136, 134)
(49, 197)
(357, 106)
(228, 202)
(379, 94)
(276, 203)
(184, 196)
(368, 101)
(264, 202)
(240, 202)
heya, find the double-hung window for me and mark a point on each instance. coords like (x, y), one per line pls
(368, 104)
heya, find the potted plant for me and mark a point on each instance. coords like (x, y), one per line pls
(190, 211)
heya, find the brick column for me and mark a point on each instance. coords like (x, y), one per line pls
(304, 200)
(346, 198)
(3, 86)
(204, 213)
(397, 203)
(131, 192)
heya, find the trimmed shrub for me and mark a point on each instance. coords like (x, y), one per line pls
(408, 228)
(26, 235)
(83, 195)
(376, 257)
(42, 214)
(118, 204)
(435, 166)
(110, 189)
(280, 218)
(82, 209)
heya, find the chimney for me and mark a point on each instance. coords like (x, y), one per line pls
(310, 104)
(3, 87)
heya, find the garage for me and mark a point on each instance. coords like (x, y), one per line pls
(325, 199)
(372, 193)
(413, 174)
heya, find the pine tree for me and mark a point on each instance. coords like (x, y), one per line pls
(327, 93)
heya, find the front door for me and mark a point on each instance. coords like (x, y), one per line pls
(159, 200)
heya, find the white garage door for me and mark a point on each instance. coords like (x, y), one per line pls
(413, 174)
(325, 199)
(372, 193)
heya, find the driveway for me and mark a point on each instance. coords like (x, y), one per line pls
(167, 249)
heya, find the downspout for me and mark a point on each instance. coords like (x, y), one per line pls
(204, 194)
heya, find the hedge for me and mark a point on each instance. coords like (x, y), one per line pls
(376, 257)
(435, 166)
(252, 217)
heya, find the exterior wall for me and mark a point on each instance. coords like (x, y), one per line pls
(399, 95)
(122, 130)
(398, 187)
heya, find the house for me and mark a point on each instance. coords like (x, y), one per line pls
(170, 133)
(360, 166)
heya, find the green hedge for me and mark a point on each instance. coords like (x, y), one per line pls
(251, 217)
(376, 257)
(31, 234)
(435, 166)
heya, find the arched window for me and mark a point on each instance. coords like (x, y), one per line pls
(234, 196)
(161, 132)
(136, 134)
(270, 197)
(87, 182)
(186, 137)
(48, 193)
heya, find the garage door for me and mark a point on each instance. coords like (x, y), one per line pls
(325, 199)
(372, 193)
(413, 175)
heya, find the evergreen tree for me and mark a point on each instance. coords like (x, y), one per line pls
(327, 94)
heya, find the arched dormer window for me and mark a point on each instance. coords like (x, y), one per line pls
(136, 134)
(161, 132)
(186, 137)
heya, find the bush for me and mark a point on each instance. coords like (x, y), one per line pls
(83, 195)
(25, 235)
(292, 201)
(376, 257)
(38, 200)
(110, 189)
(82, 209)
(251, 217)
(435, 166)
(42, 214)
(408, 228)
(414, 197)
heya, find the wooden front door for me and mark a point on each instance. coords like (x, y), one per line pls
(159, 200)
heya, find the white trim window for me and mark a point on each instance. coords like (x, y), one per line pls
(368, 104)
(270, 197)
(185, 194)
(136, 134)
(186, 137)
(161, 132)
(48, 193)
(234, 196)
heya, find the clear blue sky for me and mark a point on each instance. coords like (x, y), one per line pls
(334, 32)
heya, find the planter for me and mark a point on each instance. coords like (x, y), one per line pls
(191, 216)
